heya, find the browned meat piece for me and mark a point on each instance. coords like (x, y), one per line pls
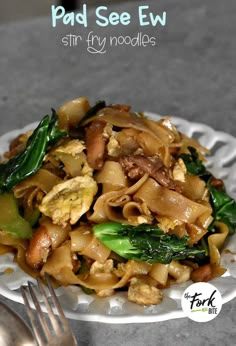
(95, 144)
(217, 183)
(136, 165)
(17, 145)
(39, 248)
(203, 273)
(45, 238)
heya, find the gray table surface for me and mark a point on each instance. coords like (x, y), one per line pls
(189, 73)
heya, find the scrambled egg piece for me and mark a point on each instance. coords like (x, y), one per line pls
(113, 147)
(73, 158)
(68, 201)
(143, 293)
(179, 171)
(167, 224)
(106, 267)
(72, 147)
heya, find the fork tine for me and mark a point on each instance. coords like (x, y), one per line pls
(64, 321)
(48, 330)
(39, 310)
(53, 319)
(32, 318)
(57, 304)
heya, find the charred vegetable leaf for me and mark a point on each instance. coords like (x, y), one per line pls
(30, 159)
(93, 110)
(224, 208)
(10, 219)
(144, 243)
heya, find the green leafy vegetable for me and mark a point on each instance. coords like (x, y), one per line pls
(10, 219)
(54, 133)
(224, 207)
(192, 162)
(144, 242)
(93, 110)
(30, 159)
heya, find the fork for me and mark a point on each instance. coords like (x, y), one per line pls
(51, 330)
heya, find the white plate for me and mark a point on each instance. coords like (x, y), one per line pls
(117, 309)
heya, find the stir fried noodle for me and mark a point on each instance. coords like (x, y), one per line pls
(107, 199)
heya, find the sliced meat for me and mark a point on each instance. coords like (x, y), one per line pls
(95, 144)
(136, 165)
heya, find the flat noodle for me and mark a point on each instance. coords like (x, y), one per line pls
(19, 247)
(29, 199)
(181, 273)
(195, 233)
(135, 213)
(163, 201)
(112, 174)
(160, 273)
(96, 250)
(166, 136)
(102, 212)
(193, 187)
(151, 146)
(125, 119)
(80, 238)
(5, 249)
(216, 242)
(59, 258)
(106, 206)
(43, 180)
(130, 269)
(97, 282)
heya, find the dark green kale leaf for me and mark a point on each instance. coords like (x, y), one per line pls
(28, 162)
(145, 243)
(192, 162)
(92, 111)
(224, 207)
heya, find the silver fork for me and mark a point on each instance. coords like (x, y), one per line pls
(48, 329)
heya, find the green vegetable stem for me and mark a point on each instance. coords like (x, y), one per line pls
(145, 243)
(10, 219)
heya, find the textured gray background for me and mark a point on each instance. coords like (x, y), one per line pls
(190, 73)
